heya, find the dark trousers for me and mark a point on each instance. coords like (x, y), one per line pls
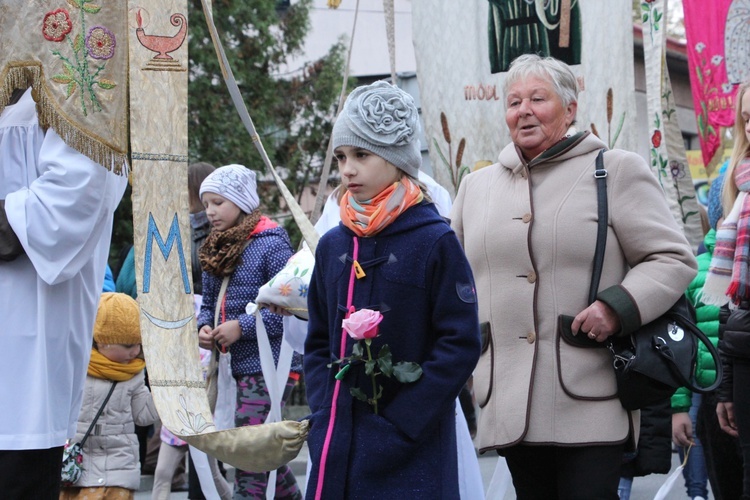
(30, 474)
(741, 397)
(557, 472)
(721, 451)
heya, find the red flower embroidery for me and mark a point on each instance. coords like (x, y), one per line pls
(56, 25)
(649, 1)
(656, 138)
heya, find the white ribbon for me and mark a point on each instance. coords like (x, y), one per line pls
(274, 375)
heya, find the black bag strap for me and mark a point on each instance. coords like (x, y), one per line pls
(600, 174)
(686, 323)
(101, 408)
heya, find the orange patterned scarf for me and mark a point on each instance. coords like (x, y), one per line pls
(368, 219)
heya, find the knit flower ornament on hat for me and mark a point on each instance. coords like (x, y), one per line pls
(383, 119)
(234, 182)
(117, 320)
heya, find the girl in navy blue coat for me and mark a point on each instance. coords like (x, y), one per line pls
(248, 250)
(391, 284)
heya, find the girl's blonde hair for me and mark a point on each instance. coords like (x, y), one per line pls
(740, 151)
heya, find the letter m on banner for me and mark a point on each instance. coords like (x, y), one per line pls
(166, 248)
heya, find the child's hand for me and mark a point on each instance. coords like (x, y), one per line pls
(205, 337)
(227, 333)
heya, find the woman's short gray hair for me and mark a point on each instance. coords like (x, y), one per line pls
(559, 74)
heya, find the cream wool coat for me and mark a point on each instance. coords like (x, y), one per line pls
(529, 233)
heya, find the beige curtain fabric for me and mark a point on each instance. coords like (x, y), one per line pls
(667, 149)
(462, 100)
(74, 54)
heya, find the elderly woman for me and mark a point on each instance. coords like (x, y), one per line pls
(528, 225)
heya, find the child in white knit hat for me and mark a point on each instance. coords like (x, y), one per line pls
(116, 382)
(243, 251)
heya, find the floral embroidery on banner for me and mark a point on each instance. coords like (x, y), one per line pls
(80, 74)
(668, 169)
(706, 75)
(651, 15)
(194, 423)
(100, 42)
(56, 25)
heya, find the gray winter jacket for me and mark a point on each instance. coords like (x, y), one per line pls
(110, 454)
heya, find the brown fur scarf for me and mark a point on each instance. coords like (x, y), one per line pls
(222, 251)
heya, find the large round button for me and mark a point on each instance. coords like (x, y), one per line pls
(531, 277)
(526, 218)
(531, 337)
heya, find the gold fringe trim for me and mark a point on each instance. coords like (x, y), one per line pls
(25, 74)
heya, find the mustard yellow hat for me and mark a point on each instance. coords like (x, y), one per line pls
(117, 320)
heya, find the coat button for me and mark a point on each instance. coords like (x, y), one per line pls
(531, 337)
(531, 277)
(526, 218)
(101, 480)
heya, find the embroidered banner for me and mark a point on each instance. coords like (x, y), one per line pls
(667, 149)
(158, 99)
(461, 89)
(74, 54)
(161, 227)
(718, 39)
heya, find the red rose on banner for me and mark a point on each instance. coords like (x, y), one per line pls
(656, 138)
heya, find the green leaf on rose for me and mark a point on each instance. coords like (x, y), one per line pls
(357, 393)
(357, 350)
(407, 371)
(370, 365)
(385, 361)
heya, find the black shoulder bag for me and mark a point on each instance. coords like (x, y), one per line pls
(654, 361)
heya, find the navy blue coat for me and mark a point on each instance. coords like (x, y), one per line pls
(418, 277)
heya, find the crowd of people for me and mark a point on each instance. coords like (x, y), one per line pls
(411, 296)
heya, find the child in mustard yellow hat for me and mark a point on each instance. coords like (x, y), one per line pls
(116, 381)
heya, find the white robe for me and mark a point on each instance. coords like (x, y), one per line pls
(60, 205)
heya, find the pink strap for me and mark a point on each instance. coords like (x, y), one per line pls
(337, 386)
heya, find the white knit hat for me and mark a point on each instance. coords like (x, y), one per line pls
(383, 119)
(234, 182)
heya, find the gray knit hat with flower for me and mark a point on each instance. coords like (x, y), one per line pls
(383, 119)
(234, 182)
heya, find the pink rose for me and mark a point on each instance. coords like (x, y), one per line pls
(363, 324)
